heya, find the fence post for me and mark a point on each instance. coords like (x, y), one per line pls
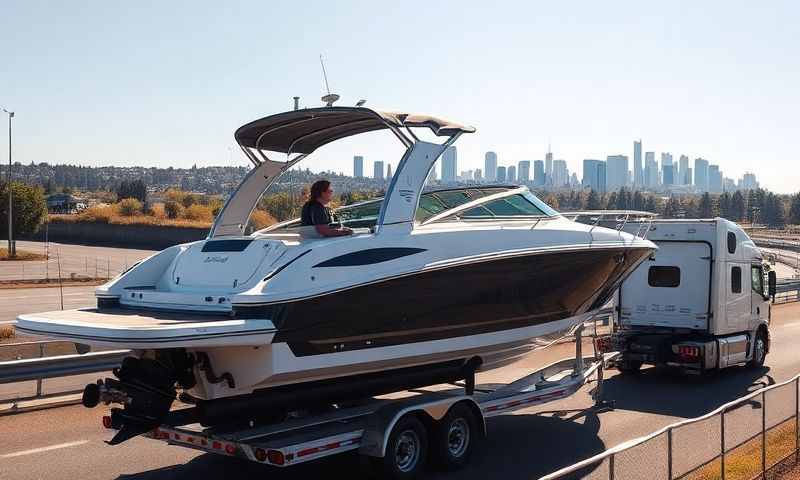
(722, 444)
(611, 467)
(669, 454)
(39, 380)
(796, 419)
(763, 435)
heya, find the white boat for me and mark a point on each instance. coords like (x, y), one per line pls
(430, 288)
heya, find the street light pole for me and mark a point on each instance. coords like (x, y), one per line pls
(11, 247)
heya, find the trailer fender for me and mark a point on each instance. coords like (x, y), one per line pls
(380, 424)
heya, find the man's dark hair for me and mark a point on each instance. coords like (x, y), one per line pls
(318, 188)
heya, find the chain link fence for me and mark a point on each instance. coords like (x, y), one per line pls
(742, 440)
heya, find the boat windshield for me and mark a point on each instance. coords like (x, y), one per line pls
(365, 214)
(520, 205)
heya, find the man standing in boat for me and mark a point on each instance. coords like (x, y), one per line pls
(317, 213)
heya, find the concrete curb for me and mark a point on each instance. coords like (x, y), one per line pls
(39, 404)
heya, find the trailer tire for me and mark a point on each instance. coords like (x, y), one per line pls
(759, 350)
(406, 450)
(628, 366)
(454, 438)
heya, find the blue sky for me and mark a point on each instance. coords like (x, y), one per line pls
(151, 83)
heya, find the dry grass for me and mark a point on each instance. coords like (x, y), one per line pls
(22, 255)
(744, 462)
(115, 219)
(6, 332)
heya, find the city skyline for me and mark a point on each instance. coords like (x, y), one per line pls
(615, 172)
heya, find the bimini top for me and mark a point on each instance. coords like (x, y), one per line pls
(303, 131)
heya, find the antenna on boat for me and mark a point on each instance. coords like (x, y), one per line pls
(330, 97)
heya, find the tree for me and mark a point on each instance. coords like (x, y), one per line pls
(706, 207)
(794, 210)
(672, 208)
(612, 201)
(129, 207)
(725, 205)
(738, 208)
(30, 208)
(593, 201)
(133, 189)
(650, 204)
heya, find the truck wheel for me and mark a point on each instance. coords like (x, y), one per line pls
(454, 438)
(629, 366)
(759, 350)
(406, 450)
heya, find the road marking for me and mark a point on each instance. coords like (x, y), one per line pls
(44, 449)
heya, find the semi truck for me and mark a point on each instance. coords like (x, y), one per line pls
(700, 303)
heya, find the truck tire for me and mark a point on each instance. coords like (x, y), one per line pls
(759, 350)
(406, 451)
(628, 366)
(454, 438)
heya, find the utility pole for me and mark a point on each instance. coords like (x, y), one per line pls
(11, 247)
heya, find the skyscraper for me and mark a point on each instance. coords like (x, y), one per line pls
(490, 166)
(377, 170)
(594, 175)
(389, 172)
(478, 175)
(683, 177)
(667, 169)
(638, 172)
(524, 171)
(538, 173)
(714, 179)
(358, 166)
(449, 164)
(500, 176)
(511, 174)
(650, 170)
(701, 175)
(748, 182)
(616, 172)
(548, 167)
(560, 174)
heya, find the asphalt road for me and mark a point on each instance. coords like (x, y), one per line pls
(67, 443)
(81, 260)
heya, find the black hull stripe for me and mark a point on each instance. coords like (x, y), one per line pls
(482, 259)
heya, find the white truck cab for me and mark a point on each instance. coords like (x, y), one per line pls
(701, 302)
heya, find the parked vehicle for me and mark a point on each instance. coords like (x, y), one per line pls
(701, 302)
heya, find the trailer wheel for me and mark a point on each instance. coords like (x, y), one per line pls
(406, 450)
(628, 366)
(455, 437)
(759, 350)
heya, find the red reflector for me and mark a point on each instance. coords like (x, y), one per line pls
(216, 445)
(177, 437)
(190, 439)
(230, 449)
(275, 457)
(260, 454)
(107, 421)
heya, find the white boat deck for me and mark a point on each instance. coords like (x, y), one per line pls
(147, 329)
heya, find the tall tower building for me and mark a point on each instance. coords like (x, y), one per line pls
(524, 171)
(358, 166)
(638, 171)
(389, 172)
(478, 175)
(616, 172)
(701, 174)
(650, 170)
(560, 174)
(501, 175)
(594, 175)
(377, 170)
(449, 164)
(511, 173)
(538, 173)
(667, 169)
(490, 166)
(548, 167)
(684, 177)
(714, 179)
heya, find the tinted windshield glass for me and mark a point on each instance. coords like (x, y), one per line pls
(432, 203)
(520, 205)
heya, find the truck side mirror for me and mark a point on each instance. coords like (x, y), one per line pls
(772, 280)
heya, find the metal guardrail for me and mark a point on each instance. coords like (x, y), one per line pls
(787, 291)
(42, 368)
(746, 438)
